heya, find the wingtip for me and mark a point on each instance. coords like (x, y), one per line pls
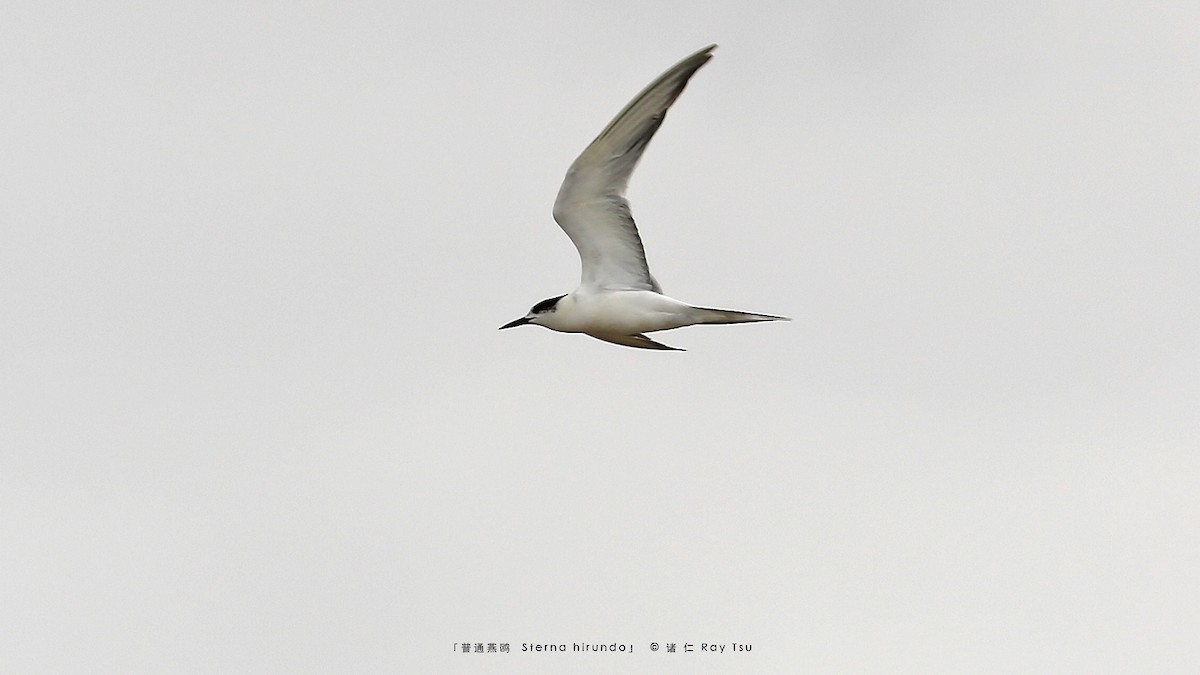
(704, 54)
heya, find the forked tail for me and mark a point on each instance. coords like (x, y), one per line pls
(709, 315)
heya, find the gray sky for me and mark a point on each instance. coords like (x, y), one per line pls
(258, 417)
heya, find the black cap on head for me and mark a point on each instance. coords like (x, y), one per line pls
(546, 305)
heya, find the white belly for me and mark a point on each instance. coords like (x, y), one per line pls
(619, 313)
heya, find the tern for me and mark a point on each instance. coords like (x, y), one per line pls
(618, 300)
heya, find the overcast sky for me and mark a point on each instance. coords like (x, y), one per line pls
(257, 416)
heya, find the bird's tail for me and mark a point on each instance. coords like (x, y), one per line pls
(709, 315)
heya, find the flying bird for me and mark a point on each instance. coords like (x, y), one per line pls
(618, 300)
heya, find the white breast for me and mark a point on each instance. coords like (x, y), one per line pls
(618, 313)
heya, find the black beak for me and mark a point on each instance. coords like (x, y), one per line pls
(513, 324)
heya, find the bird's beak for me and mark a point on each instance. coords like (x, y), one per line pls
(513, 324)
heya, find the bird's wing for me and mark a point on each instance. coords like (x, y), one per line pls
(591, 206)
(639, 341)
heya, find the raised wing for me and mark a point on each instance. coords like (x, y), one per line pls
(591, 206)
